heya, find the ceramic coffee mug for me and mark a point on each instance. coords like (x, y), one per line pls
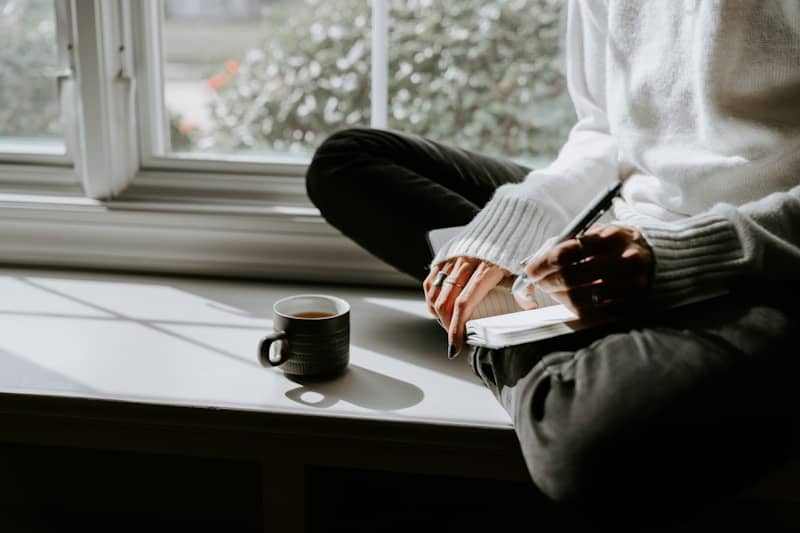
(311, 337)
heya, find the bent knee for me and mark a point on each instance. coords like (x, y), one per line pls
(329, 172)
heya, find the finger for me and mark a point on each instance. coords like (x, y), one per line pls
(608, 267)
(485, 277)
(606, 238)
(590, 300)
(432, 291)
(427, 283)
(598, 240)
(595, 228)
(565, 253)
(456, 280)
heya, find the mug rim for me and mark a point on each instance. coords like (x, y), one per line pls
(315, 295)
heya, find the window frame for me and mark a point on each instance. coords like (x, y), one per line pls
(110, 208)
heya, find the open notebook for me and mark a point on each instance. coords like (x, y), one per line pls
(498, 321)
(524, 326)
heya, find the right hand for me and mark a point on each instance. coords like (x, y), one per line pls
(608, 270)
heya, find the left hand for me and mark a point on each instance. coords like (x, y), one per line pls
(469, 280)
(609, 270)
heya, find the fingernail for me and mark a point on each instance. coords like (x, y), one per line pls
(451, 351)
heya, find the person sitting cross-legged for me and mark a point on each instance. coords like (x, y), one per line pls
(695, 107)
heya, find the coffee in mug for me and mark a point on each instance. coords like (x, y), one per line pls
(311, 337)
(313, 314)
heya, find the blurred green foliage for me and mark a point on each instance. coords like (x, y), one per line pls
(28, 60)
(483, 75)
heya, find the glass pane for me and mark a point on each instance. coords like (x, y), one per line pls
(29, 108)
(484, 75)
(264, 77)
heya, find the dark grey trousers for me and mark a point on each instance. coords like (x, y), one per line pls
(668, 411)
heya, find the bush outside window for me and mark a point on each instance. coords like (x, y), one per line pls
(482, 75)
(275, 77)
(30, 111)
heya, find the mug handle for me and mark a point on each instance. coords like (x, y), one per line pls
(263, 349)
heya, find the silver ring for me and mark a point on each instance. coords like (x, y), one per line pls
(440, 277)
(451, 282)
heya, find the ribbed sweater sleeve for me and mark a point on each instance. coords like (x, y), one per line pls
(757, 241)
(520, 217)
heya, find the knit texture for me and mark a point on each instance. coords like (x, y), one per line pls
(703, 251)
(504, 232)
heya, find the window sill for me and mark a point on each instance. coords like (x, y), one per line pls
(158, 226)
(190, 342)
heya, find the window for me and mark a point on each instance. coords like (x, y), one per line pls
(482, 75)
(275, 79)
(278, 76)
(176, 132)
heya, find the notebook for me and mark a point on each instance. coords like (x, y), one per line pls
(511, 326)
(524, 326)
(545, 322)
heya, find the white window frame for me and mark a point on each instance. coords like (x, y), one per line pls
(111, 204)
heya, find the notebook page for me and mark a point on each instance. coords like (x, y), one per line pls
(499, 301)
(513, 328)
(530, 319)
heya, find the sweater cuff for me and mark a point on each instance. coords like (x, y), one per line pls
(506, 231)
(693, 257)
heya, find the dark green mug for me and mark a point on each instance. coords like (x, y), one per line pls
(311, 337)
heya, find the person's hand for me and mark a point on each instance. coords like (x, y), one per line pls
(468, 280)
(608, 270)
(525, 296)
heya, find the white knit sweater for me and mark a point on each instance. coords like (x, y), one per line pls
(695, 104)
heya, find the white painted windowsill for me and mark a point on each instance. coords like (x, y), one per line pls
(192, 343)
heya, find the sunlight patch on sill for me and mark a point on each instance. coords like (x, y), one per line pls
(413, 307)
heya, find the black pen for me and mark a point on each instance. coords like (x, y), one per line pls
(577, 227)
